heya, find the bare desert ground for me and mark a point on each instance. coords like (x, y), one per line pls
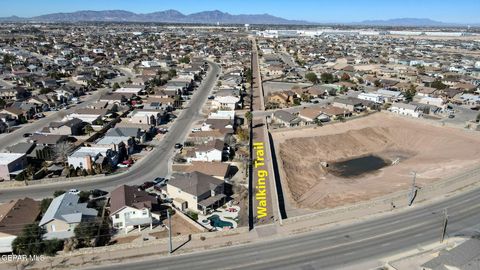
(434, 152)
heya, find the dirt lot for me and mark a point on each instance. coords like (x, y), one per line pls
(180, 227)
(434, 152)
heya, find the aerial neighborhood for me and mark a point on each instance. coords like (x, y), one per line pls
(126, 139)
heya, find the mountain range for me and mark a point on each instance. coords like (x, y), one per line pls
(206, 17)
(407, 22)
(167, 16)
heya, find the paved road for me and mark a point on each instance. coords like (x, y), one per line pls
(154, 165)
(339, 246)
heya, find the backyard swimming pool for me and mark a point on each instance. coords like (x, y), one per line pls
(215, 221)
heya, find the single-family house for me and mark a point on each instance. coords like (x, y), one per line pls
(374, 97)
(284, 118)
(130, 208)
(14, 215)
(11, 164)
(196, 191)
(210, 151)
(86, 157)
(405, 109)
(226, 102)
(349, 103)
(64, 214)
(312, 115)
(150, 117)
(70, 127)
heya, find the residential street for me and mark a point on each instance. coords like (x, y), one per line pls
(153, 165)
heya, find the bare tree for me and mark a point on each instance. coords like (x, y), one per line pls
(62, 151)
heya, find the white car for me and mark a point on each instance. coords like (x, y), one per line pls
(74, 191)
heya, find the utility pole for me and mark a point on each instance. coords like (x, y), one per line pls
(444, 227)
(169, 232)
(413, 191)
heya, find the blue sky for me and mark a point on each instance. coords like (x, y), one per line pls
(461, 11)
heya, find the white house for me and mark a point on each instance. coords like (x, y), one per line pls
(377, 98)
(211, 151)
(130, 208)
(225, 102)
(84, 157)
(390, 96)
(230, 115)
(470, 99)
(149, 64)
(130, 90)
(432, 101)
(405, 109)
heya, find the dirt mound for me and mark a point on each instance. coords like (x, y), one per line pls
(429, 150)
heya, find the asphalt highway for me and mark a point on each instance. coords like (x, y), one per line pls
(339, 246)
(153, 165)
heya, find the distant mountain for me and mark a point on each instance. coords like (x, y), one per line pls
(167, 16)
(407, 22)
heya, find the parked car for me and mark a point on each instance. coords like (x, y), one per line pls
(127, 162)
(158, 180)
(26, 135)
(162, 130)
(178, 146)
(74, 191)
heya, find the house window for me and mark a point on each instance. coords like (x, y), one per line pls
(117, 216)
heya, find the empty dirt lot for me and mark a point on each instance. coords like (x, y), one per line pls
(434, 152)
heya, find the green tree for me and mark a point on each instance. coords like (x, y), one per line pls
(44, 204)
(29, 242)
(87, 129)
(84, 196)
(312, 77)
(172, 73)
(184, 60)
(115, 86)
(242, 134)
(57, 193)
(249, 117)
(248, 75)
(193, 215)
(86, 233)
(410, 93)
(438, 85)
(327, 78)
